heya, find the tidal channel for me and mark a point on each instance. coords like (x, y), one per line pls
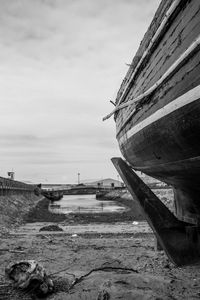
(84, 204)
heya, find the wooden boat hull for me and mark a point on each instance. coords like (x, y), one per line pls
(52, 195)
(160, 134)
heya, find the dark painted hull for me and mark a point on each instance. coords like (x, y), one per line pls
(161, 138)
(161, 148)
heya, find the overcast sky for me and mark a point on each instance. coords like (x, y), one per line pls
(61, 61)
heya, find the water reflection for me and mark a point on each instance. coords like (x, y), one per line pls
(84, 204)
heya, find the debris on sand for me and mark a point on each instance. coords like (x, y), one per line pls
(74, 235)
(135, 223)
(30, 276)
(103, 295)
(51, 228)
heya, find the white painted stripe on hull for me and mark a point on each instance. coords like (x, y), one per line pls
(189, 97)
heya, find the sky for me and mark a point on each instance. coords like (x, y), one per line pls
(61, 62)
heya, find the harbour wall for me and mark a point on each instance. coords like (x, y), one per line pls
(16, 199)
(13, 187)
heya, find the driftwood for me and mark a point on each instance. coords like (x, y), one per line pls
(12, 251)
(30, 276)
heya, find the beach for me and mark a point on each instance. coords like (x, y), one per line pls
(95, 257)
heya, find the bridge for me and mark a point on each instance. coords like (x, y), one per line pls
(79, 189)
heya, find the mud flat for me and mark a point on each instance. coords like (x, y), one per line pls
(120, 263)
(96, 260)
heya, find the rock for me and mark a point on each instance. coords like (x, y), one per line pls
(51, 228)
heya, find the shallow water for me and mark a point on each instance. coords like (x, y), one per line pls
(84, 204)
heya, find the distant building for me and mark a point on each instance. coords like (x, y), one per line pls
(107, 183)
(56, 186)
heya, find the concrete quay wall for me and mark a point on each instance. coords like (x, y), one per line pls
(16, 199)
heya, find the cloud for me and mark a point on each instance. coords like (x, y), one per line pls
(60, 64)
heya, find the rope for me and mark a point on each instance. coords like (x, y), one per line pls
(185, 55)
(146, 52)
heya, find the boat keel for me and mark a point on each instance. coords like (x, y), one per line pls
(180, 240)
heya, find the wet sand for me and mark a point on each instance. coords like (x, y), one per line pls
(113, 259)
